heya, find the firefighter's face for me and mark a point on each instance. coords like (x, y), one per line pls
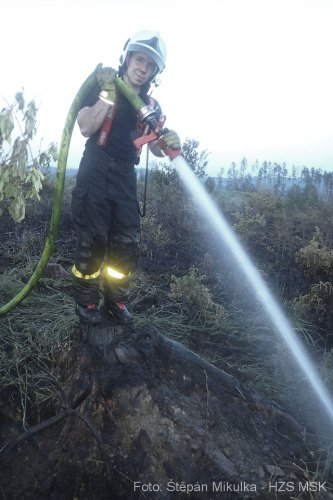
(140, 68)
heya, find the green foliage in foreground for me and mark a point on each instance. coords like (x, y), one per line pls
(21, 171)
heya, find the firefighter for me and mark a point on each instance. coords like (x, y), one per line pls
(104, 199)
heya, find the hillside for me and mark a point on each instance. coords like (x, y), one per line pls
(200, 399)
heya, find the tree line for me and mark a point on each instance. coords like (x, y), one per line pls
(276, 177)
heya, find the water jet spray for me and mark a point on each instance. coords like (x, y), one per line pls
(228, 237)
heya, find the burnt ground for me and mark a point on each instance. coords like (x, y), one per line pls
(139, 415)
(146, 411)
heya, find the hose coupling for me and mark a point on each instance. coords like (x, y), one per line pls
(147, 115)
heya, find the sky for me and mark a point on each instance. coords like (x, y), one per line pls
(246, 78)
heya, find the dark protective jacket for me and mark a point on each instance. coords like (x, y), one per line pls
(104, 205)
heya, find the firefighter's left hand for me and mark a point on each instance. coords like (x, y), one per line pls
(105, 76)
(171, 140)
(106, 80)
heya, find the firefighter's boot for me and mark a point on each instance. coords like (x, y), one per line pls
(115, 297)
(85, 292)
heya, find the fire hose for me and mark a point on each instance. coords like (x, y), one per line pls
(146, 114)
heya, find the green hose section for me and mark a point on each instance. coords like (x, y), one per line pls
(58, 195)
(130, 95)
(138, 103)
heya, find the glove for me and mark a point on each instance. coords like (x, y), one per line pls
(106, 80)
(170, 140)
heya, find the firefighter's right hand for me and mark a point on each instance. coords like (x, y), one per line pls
(106, 80)
(170, 139)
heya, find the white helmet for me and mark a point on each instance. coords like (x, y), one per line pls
(151, 44)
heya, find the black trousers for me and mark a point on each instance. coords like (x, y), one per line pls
(105, 212)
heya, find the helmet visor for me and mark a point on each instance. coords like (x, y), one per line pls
(151, 48)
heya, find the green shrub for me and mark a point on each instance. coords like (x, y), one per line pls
(315, 258)
(191, 288)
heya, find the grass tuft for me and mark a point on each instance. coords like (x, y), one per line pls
(31, 336)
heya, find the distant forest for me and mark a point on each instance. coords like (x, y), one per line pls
(276, 177)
